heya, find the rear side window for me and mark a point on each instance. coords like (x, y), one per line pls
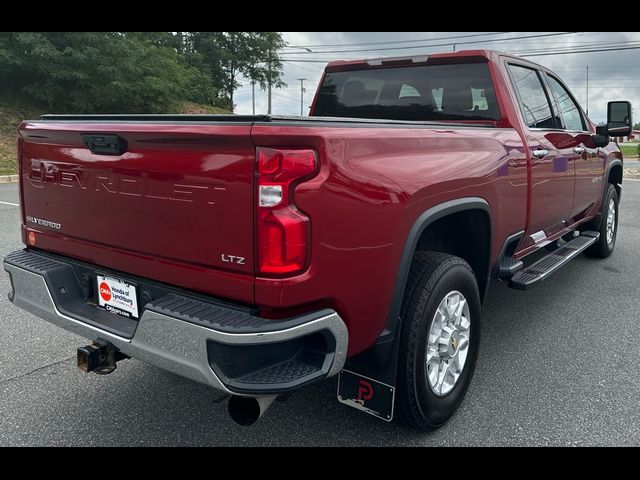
(568, 110)
(420, 93)
(533, 100)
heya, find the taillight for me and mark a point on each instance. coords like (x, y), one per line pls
(283, 231)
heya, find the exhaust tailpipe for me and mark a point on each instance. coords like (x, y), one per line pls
(246, 411)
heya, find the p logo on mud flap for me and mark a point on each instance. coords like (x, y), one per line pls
(366, 394)
(365, 391)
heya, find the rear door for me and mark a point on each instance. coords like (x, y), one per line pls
(552, 158)
(589, 168)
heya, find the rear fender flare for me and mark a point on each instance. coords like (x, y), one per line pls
(420, 225)
(380, 361)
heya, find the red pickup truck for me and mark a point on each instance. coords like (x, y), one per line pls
(259, 254)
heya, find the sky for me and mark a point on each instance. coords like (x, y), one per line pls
(613, 75)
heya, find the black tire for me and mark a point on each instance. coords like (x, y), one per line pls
(432, 276)
(603, 248)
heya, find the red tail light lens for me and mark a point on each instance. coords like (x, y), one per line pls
(283, 231)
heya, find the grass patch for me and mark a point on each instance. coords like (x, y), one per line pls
(198, 109)
(629, 150)
(12, 114)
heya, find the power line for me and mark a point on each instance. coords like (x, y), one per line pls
(434, 45)
(284, 97)
(304, 60)
(602, 66)
(392, 42)
(578, 47)
(304, 69)
(555, 52)
(595, 50)
(525, 52)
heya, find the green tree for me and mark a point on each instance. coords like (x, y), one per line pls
(226, 56)
(270, 69)
(100, 72)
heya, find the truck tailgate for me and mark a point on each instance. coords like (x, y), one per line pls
(175, 205)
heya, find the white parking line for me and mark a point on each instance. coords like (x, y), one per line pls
(9, 203)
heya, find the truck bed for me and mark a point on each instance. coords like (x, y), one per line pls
(180, 202)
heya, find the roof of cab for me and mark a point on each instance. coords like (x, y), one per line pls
(490, 55)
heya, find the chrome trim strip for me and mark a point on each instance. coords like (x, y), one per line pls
(562, 130)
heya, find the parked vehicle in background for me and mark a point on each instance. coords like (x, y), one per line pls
(259, 254)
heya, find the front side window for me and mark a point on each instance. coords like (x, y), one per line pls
(533, 100)
(420, 93)
(567, 108)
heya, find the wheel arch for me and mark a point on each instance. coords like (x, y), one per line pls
(420, 226)
(380, 361)
(614, 176)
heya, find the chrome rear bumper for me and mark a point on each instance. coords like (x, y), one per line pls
(236, 352)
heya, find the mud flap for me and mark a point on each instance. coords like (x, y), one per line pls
(368, 380)
(366, 394)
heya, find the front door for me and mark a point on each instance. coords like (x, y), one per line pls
(552, 161)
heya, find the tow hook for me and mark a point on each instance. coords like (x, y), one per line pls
(100, 357)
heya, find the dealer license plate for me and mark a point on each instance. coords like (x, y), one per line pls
(117, 296)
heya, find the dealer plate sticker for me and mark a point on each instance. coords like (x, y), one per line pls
(117, 296)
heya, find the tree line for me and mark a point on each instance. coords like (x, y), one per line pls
(134, 72)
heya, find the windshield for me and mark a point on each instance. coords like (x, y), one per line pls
(418, 93)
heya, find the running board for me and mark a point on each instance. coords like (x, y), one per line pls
(508, 267)
(558, 258)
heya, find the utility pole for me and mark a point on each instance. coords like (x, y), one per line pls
(302, 95)
(587, 90)
(269, 84)
(253, 96)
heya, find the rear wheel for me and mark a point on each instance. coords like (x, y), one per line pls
(608, 226)
(439, 341)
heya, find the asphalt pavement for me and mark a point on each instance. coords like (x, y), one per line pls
(559, 365)
(631, 163)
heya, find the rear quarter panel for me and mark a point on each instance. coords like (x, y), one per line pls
(373, 184)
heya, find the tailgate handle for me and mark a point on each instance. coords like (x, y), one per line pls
(105, 144)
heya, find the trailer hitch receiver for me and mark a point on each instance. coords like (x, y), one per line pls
(100, 357)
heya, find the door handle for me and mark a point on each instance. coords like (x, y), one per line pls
(540, 153)
(578, 150)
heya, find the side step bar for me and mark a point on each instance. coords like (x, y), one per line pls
(508, 267)
(546, 266)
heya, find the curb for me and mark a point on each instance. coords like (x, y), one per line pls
(9, 178)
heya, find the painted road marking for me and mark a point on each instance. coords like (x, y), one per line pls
(9, 203)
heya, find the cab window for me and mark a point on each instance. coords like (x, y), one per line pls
(567, 108)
